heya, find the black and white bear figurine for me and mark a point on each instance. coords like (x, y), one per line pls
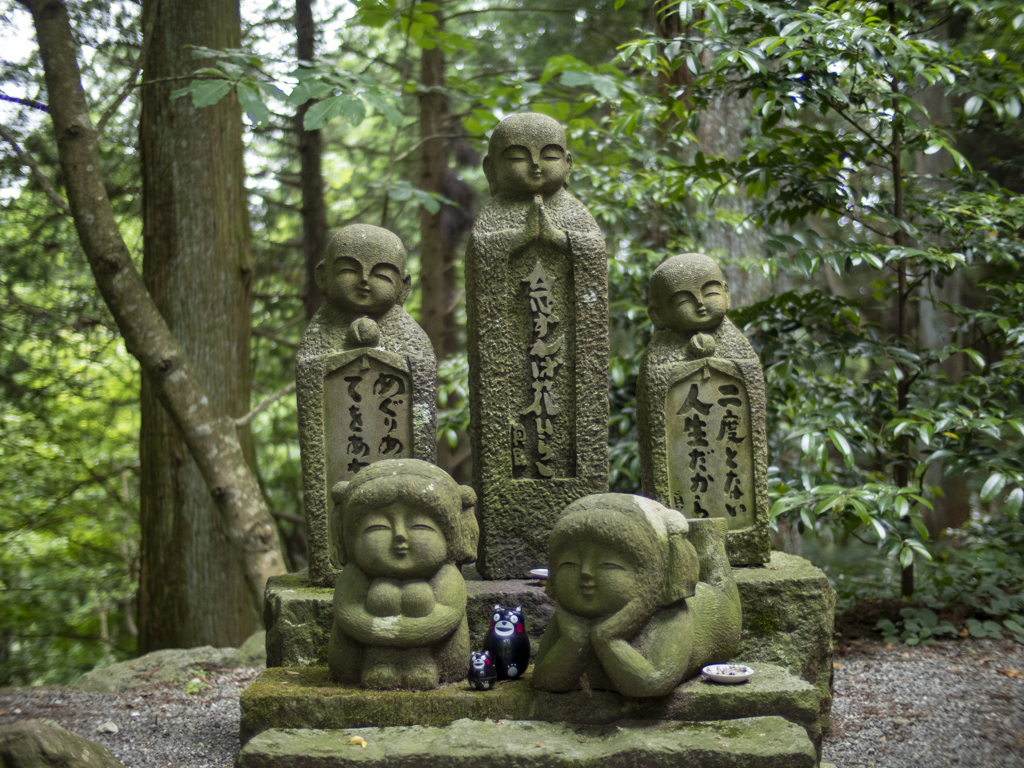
(482, 674)
(507, 642)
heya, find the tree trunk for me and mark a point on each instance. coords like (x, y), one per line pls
(210, 435)
(437, 252)
(198, 269)
(936, 327)
(314, 210)
(719, 133)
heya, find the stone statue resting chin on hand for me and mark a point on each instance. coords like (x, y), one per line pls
(630, 613)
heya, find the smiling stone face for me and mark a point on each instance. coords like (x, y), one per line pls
(528, 156)
(364, 271)
(688, 293)
(594, 580)
(399, 542)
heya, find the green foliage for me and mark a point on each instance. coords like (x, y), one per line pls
(919, 626)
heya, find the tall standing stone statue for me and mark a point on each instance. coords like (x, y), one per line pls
(366, 379)
(537, 307)
(400, 603)
(701, 408)
(643, 598)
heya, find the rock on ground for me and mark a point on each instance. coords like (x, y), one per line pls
(174, 665)
(44, 744)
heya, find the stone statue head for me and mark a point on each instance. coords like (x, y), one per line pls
(688, 293)
(527, 155)
(404, 519)
(364, 271)
(610, 548)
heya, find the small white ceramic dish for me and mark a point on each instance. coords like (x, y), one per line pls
(730, 674)
(539, 573)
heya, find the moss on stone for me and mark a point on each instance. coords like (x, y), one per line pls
(305, 697)
(761, 742)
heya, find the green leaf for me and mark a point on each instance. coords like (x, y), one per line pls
(1013, 502)
(210, 92)
(253, 104)
(973, 106)
(841, 443)
(907, 557)
(992, 486)
(428, 201)
(902, 506)
(320, 113)
(390, 112)
(976, 357)
(717, 16)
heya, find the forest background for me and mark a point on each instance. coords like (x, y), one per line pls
(856, 166)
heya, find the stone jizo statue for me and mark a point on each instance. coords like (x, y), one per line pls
(366, 376)
(644, 598)
(400, 601)
(701, 407)
(537, 314)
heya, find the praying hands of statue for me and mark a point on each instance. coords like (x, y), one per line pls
(538, 226)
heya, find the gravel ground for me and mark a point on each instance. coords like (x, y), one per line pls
(162, 726)
(952, 704)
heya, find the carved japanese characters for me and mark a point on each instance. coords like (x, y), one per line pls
(366, 377)
(701, 408)
(643, 598)
(537, 307)
(400, 601)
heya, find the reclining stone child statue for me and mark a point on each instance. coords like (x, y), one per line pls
(400, 601)
(643, 598)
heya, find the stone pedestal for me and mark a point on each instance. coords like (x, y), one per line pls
(756, 742)
(305, 697)
(788, 612)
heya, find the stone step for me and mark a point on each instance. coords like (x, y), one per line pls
(305, 697)
(755, 742)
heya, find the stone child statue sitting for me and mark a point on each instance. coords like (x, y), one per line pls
(400, 601)
(366, 377)
(643, 598)
(701, 406)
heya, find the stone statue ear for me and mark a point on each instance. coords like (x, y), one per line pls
(406, 288)
(320, 274)
(490, 174)
(568, 162)
(681, 571)
(336, 525)
(467, 529)
(655, 315)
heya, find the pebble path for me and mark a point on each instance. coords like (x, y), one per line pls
(957, 703)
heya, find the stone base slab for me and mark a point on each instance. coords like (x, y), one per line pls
(757, 742)
(305, 697)
(788, 615)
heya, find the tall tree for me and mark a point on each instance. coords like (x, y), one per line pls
(311, 149)
(198, 269)
(437, 253)
(210, 435)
